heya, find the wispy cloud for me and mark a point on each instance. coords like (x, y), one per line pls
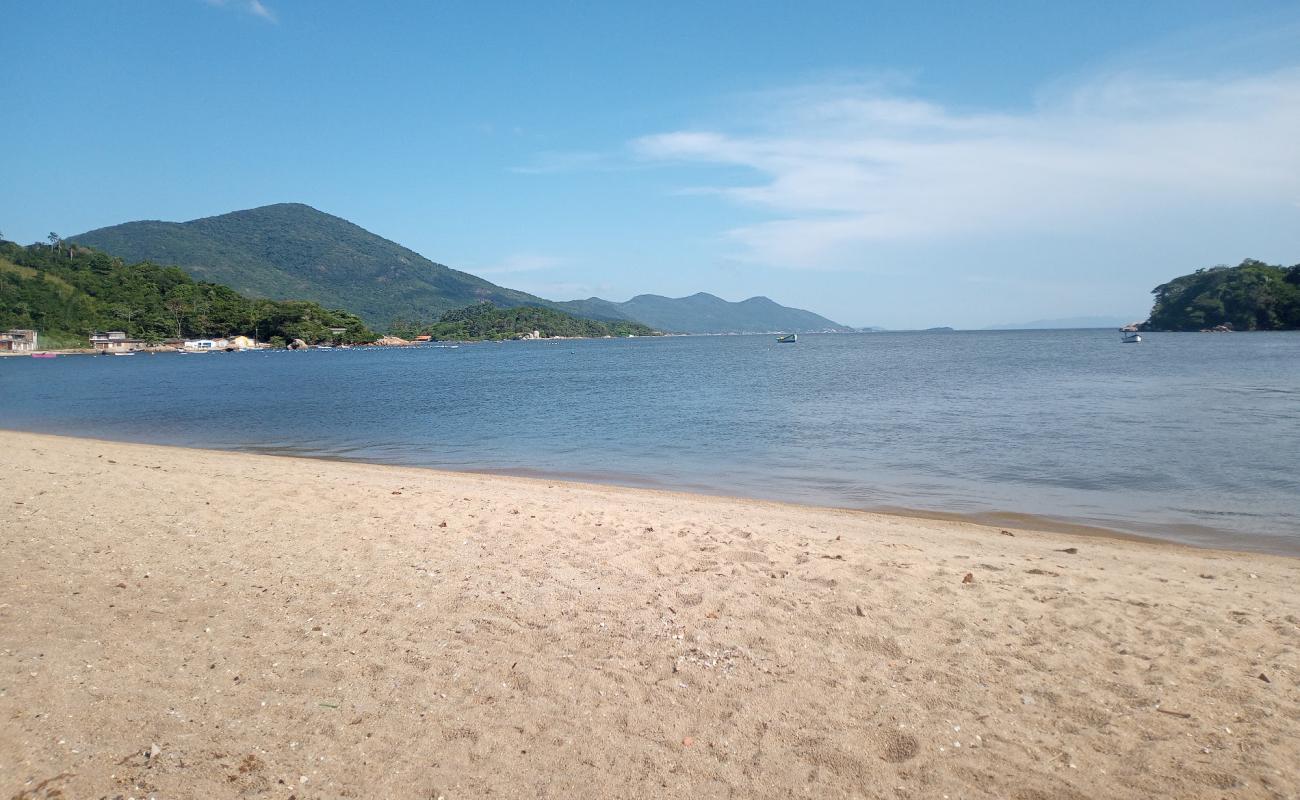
(838, 168)
(548, 163)
(255, 7)
(560, 290)
(520, 262)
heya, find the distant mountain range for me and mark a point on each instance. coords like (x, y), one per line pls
(704, 313)
(293, 250)
(1064, 322)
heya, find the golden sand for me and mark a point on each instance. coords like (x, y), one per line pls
(194, 624)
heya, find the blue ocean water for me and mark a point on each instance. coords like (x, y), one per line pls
(1190, 437)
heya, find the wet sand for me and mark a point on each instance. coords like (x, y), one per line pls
(190, 623)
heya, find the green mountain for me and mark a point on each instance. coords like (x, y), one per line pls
(69, 291)
(1252, 296)
(293, 250)
(705, 313)
(486, 321)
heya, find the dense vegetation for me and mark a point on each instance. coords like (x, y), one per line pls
(705, 313)
(486, 321)
(66, 291)
(1248, 297)
(293, 250)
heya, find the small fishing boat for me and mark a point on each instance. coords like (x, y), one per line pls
(124, 354)
(1129, 334)
(44, 355)
(790, 339)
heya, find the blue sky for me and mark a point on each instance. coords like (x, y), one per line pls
(893, 163)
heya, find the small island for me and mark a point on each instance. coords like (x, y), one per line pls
(1252, 296)
(485, 321)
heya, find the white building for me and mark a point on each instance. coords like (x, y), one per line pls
(205, 345)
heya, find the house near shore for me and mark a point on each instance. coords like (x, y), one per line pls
(115, 342)
(17, 340)
(206, 345)
(209, 345)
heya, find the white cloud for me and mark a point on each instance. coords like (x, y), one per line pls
(520, 262)
(841, 168)
(255, 7)
(561, 290)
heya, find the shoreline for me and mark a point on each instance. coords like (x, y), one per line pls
(178, 622)
(998, 518)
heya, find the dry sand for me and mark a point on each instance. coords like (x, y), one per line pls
(193, 624)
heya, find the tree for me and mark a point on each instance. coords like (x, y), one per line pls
(177, 303)
(54, 240)
(125, 311)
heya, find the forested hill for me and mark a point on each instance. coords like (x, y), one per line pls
(486, 321)
(68, 291)
(1252, 296)
(293, 250)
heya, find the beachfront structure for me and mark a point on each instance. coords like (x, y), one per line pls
(114, 342)
(17, 340)
(204, 345)
(210, 345)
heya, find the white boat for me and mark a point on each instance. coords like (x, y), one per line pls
(1129, 334)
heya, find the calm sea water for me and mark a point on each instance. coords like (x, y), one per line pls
(1186, 436)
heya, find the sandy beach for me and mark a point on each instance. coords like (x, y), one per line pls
(187, 623)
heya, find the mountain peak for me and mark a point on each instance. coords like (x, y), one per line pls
(292, 250)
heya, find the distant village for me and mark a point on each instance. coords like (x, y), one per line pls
(20, 341)
(119, 342)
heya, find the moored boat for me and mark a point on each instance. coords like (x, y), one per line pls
(1129, 334)
(788, 339)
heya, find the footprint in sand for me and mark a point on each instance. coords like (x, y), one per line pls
(899, 747)
(745, 557)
